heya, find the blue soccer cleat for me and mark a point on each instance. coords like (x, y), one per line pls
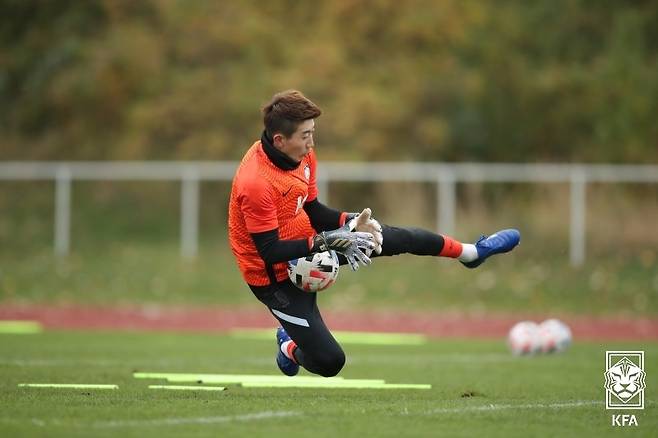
(287, 366)
(497, 243)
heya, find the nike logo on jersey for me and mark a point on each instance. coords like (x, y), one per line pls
(287, 191)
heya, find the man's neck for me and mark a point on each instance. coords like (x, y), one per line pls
(278, 158)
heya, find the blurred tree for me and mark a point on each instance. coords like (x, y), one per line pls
(562, 80)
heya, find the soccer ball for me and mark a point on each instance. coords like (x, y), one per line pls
(554, 335)
(315, 272)
(523, 338)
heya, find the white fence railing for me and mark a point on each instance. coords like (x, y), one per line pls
(446, 176)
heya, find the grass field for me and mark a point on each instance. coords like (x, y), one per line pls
(478, 389)
(145, 273)
(125, 251)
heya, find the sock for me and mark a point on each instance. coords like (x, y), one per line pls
(464, 252)
(469, 253)
(451, 248)
(288, 349)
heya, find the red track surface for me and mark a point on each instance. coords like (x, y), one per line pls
(224, 319)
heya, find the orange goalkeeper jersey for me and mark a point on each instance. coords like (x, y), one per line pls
(263, 198)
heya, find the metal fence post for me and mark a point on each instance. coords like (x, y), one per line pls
(62, 211)
(446, 176)
(323, 187)
(447, 200)
(578, 209)
(190, 212)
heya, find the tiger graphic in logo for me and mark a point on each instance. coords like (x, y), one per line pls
(625, 380)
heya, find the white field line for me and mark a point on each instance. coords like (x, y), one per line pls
(265, 415)
(491, 407)
(255, 416)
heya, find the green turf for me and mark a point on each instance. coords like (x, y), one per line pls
(344, 337)
(146, 272)
(478, 389)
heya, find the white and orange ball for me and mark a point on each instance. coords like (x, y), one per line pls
(314, 273)
(523, 338)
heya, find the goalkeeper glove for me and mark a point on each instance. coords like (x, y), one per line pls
(365, 223)
(350, 244)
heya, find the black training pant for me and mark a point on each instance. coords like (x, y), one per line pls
(298, 312)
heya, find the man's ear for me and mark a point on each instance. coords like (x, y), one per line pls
(277, 140)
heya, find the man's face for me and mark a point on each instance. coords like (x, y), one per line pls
(299, 144)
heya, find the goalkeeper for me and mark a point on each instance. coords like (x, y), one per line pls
(275, 216)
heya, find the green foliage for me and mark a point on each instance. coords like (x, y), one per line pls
(566, 80)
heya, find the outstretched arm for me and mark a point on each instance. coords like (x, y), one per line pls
(352, 245)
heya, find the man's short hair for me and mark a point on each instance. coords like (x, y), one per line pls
(286, 111)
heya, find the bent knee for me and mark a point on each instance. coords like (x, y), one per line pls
(331, 364)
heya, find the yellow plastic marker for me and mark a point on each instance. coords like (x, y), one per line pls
(227, 378)
(20, 327)
(278, 381)
(188, 388)
(67, 385)
(345, 337)
(345, 384)
(282, 380)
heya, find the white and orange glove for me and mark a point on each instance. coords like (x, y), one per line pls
(364, 222)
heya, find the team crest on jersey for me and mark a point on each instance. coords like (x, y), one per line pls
(307, 172)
